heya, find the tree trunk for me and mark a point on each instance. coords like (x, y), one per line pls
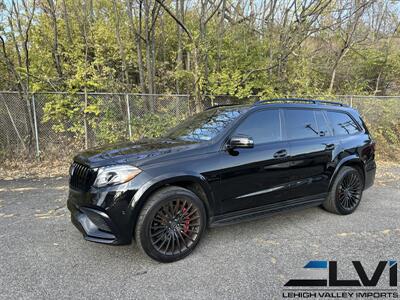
(333, 76)
(24, 27)
(202, 49)
(378, 80)
(149, 71)
(55, 52)
(342, 54)
(198, 92)
(66, 20)
(136, 35)
(179, 61)
(124, 68)
(221, 32)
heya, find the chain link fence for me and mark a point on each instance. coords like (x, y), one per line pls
(53, 125)
(48, 124)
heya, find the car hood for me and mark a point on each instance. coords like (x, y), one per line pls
(135, 153)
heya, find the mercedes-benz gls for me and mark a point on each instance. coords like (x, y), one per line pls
(224, 165)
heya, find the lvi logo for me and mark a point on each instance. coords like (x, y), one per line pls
(333, 281)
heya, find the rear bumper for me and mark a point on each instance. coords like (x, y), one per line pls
(370, 170)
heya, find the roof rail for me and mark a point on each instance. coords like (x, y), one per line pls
(312, 101)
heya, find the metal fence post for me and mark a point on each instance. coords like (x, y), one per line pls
(128, 111)
(177, 106)
(85, 120)
(36, 126)
(351, 101)
(188, 105)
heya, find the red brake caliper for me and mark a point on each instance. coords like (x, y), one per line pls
(187, 222)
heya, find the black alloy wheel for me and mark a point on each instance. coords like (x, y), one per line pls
(175, 227)
(349, 190)
(170, 224)
(346, 191)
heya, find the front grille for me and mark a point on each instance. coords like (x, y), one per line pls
(82, 177)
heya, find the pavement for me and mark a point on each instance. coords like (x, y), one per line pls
(43, 256)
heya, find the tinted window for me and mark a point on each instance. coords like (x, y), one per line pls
(342, 124)
(263, 126)
(322, 124)
(206, 125)
(301, 124)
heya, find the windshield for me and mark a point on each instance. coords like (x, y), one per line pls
(206, 125)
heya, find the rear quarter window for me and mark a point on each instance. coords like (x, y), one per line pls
(342, 123)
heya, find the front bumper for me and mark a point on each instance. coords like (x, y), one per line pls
(102, 216)
(96, 228)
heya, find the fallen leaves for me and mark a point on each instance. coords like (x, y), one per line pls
(344, 234)
(22, 189)
(6, 215)
(11, 169)
(385, 173)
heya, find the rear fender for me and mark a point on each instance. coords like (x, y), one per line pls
(349, 160)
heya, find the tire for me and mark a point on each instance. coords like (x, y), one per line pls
(170, 224)
(346, 192)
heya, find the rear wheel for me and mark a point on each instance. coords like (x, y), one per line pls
(170, 224)
(346, 192)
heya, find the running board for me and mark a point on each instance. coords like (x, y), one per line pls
(266, 210)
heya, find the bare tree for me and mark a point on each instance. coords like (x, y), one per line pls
(200, 57)
(20, 16)
(50, 10)
(348, 36)
(148, 13)
(121, 46)
(180, 13)
(67, 21)
(136, 36)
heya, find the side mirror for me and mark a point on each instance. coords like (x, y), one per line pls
(240, 142)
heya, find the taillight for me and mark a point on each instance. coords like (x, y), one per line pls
(372, 146)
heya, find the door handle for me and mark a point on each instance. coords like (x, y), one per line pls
(280, 153)
(330, 146)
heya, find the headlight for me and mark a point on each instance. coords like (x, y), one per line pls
(71, 169)
(115, 175)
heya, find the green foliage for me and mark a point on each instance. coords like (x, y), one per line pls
(152, 125)
(63, 113)
(382, 118)
(238, 57)
(66, 114)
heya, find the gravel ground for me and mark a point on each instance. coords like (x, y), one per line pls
(44, 256)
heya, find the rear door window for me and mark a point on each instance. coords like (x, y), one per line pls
(301, 124)
(342, 123)
(323, 127)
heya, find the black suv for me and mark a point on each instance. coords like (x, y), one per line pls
(224, 165)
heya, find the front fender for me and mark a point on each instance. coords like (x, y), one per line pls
(155, 183)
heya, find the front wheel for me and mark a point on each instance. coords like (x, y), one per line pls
(170, 224)
(346, 192)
